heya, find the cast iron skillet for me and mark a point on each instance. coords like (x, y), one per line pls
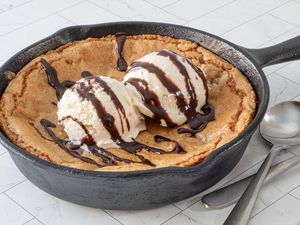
(151, 188)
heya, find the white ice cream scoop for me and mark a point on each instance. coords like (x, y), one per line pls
(166, 87)
(99, 110)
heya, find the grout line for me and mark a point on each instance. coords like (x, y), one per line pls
(39, 19)
(277, 17)
(281, 91)
(58, 14)
(294, 189)
(70, 6)
(298, 84)
(270, 13)
(294, 196)
(183, 20)
(274, 202)
(293, 99)
(167, 5)
(14, 186)
(204, 14)
(3, 153)
(279, 68)
(28, 221)
(171, 217)
(191, 219)
(105, 9)
(271, 40)
(24, 3)
(104, 210)
(176, 206)
(255, 17)
(22, 207)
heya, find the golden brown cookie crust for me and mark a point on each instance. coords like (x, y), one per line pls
(29, 98)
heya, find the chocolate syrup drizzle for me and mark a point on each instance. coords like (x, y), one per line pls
(107, 158)
(190, 112)
(53, 80)
(171, 87)
(201, 75)
(108, 122)
(177, 149)
(151, 101)
(38, 131)
(200, 121)
(195, 120)
(47, 125)
(121, 62)
(88, 139)
(112, 95)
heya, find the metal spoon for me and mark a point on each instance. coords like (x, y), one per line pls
(281, 127)
(231, 193)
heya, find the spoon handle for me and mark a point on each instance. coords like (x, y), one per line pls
(231, 193)
(242, 211)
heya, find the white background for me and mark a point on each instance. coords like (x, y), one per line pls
(253, 24)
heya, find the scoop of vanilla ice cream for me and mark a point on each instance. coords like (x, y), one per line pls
(100, 110)
(166, 87)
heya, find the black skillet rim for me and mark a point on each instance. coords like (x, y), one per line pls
(123, 174)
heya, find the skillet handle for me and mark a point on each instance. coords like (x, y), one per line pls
(283, 52)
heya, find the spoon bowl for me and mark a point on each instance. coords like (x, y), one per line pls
(281, 124)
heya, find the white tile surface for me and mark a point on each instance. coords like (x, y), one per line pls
(162, 4)
(297, 98)
(138, 10)
(2, 149)
(50, 210)
(287, 35)
(33, 222)
(10, 175)
(293, 9)
(296, 192)
(291, 72)
(182, 218)
(281, 89)
(288, 181)
(188, 9)
(90, 15)
(29, 13)
(232, 15)
(285, 211)
(11, 213)
(198, 214)
(271, 69)
(145, 217)
(258, 31)
(25, 36)
(8, 5)
(250, 23)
